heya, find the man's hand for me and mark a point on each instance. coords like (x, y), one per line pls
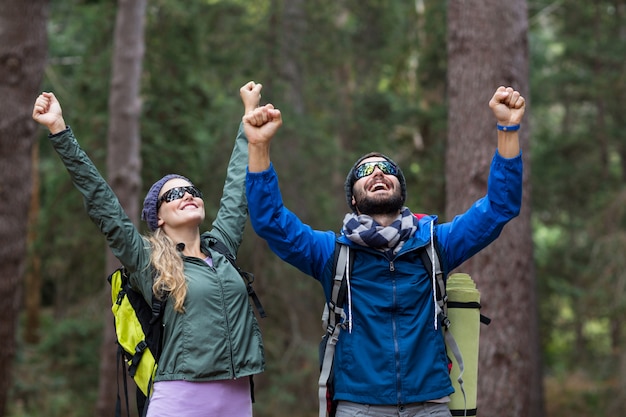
(508, 106)
(261, 124)
(250, 95)
(47, 111)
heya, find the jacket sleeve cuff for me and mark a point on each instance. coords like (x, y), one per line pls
(62, 132)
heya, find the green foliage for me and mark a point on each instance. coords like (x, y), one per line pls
(578, 184)
(191, 104)
(58, 376)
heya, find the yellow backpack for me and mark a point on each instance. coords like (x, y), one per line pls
(138, 332)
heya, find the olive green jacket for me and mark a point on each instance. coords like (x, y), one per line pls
(217, 337)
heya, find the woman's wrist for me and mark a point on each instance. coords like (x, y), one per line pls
(57, 127)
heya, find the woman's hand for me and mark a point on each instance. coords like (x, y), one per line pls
(47, 111)
(251, 96)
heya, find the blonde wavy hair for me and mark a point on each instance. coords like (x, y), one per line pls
(168, 264)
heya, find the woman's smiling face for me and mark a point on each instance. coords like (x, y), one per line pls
(183, 207)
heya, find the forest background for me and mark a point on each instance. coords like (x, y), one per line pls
(349, 76)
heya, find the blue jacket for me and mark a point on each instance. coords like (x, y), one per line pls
(394, 354)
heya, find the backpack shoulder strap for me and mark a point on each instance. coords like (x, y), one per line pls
(431, 258)
(221, 247)
(247, 276)
(158, 308)
(334, 318)
(338, 293)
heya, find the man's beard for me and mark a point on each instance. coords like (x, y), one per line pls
(375, 206)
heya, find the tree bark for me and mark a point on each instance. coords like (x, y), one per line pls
(22, 63)
(123, 162)
(488, 47)
(32, 282)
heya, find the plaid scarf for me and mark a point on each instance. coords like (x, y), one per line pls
(365, 231)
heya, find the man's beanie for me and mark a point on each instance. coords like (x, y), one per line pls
(149, 212)
(351, 179)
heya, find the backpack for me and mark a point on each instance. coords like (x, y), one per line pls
(334, 319)
(138, 330)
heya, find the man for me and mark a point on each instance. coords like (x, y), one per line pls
(391, 360)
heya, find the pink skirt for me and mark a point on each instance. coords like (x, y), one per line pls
(230, 397)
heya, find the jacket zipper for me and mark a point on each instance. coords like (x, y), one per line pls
(220, 283)
(395, 338)
(230, 342)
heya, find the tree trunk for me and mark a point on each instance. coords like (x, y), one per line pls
(22, 63)
(488, 47)
(123, 162)
(32, 282)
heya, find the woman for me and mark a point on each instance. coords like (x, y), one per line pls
(211, 340)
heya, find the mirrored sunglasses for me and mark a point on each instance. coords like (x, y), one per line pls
(177, 193)
(368, 168)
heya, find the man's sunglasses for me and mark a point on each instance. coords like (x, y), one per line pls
(368, 168)
(177, 193)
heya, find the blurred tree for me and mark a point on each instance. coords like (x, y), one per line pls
(22, 63)
(123, 161)
(488, 47)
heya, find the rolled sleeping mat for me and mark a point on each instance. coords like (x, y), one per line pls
(464, 315)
